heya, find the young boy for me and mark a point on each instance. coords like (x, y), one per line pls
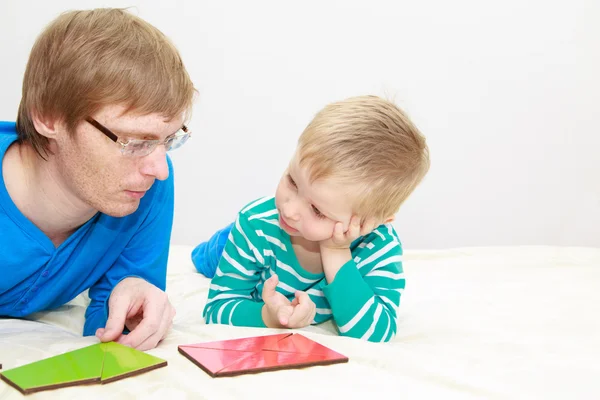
(323, 247)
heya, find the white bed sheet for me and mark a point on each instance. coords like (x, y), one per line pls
(475, 323)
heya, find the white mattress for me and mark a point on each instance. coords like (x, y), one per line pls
(517, 322)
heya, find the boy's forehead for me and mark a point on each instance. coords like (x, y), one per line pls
(332, 197)
(332, 194)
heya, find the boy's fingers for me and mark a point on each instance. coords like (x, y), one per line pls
(354, 228)
(269, 288)
(301, 311)
(296, 299)
(284, 313)
(338, 232)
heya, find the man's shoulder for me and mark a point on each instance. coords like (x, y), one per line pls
(8, 127)
(8, 134)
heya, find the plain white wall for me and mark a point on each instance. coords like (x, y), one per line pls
(507, 94)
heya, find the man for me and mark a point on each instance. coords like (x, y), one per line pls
(86, 188)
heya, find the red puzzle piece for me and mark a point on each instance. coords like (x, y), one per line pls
(214, 360)
(244, 344)
(274, 360)
(259, 354)
(301, 344)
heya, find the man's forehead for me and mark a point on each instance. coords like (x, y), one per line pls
(130, 122)
(122, 114)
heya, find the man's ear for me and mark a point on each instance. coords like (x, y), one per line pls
(44, 126)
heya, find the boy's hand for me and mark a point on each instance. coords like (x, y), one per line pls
(335, 251)
(342, 240)
(279, 312)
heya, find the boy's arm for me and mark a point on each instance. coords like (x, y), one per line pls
(230, 297)
(375, 281)
(323, 313)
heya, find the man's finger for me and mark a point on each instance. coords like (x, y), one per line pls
(160, 334)
(132, 323)
(117, 314)
(150, 324)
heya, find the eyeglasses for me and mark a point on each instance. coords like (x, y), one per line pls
(141, 147)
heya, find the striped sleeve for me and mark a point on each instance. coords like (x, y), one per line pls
(323, 311)
(376, 280)
(232, 295)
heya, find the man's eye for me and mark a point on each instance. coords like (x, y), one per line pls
(141, 144)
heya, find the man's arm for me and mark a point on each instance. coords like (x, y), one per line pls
(136, 282)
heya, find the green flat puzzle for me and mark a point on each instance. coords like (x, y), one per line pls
(98, 363)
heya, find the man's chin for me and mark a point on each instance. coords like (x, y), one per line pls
(122, 210)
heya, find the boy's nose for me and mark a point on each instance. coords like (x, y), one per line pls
(290, 212)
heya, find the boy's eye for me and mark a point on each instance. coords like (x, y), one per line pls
(291, 181)
(317, 212)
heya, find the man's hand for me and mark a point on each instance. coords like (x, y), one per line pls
(342, 240)
(143, 308)
(279, 312)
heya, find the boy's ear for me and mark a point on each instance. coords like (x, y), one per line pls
(43, 125)
(389, 219)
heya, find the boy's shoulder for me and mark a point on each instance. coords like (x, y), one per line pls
(261, 207)
(380, 249)
(383, 236)
(258, 218)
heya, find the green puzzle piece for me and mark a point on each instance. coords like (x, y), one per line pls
(122, 361)
(76, 367)
(102, 363)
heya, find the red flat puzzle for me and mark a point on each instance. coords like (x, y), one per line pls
(259, 354)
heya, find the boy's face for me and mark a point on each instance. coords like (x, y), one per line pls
(312, 210)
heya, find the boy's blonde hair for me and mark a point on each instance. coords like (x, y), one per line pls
(85, 60)
(368, 141)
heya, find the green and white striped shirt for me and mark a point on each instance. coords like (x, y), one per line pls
(363, 299)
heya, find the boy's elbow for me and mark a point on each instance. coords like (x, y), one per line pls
(380, 335)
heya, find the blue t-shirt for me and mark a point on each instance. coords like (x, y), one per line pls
(35, 275)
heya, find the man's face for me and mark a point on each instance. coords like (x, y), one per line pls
(95, 170)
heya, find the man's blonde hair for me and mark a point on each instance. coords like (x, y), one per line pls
(85, 60)
(367, 141)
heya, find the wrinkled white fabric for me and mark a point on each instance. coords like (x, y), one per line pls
(498, 323)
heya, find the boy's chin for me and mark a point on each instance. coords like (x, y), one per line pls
(308, 239)
(295, 234)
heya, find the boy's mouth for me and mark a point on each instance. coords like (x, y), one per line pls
(286, 226)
